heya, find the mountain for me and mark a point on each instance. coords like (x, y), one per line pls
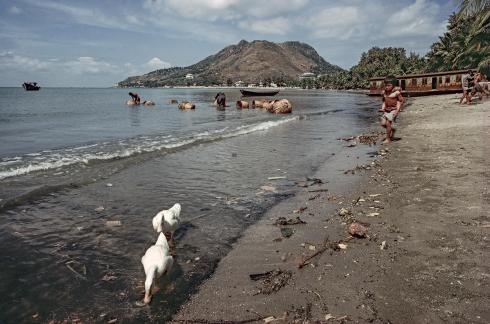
(250, 62)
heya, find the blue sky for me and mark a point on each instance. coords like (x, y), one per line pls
(97, 43)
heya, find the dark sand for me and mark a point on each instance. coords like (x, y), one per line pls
(431, 192)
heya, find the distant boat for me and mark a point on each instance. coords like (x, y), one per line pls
(31, 86)
(250, 93)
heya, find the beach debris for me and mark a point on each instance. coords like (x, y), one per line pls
(318, 190)
(109, 184)
(99, 209)
(383, 246)
(358, 230)
(300, 210)
(272, 281)
(269, 188)
(309, 182)
(269, 319)
(112, 321)
(276, 178)
(374, 195)
(347, 139)
(291, 221)
(80, 267)
(109, 277)
(311, 247)
(314, 197)
(354, 144)
(344, 212)
(34, 316)
(373, 214)
(368, 139)
(286, 232)
(325, 246)
(328, 317)
(342, 246)
(113, 223)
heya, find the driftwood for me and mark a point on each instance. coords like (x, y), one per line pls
(203, 321)
(326, 246)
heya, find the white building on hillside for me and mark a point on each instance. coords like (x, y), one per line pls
(307, 76)
(189, 76)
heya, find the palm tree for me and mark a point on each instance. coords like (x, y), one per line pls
(469, 8)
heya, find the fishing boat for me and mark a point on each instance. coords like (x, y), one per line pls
(258, 93)
(30, 86)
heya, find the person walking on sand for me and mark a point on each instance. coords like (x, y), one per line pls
(468, 82)
(392, 103)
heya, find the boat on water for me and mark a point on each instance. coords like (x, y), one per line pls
(258, 93)
(30, 86)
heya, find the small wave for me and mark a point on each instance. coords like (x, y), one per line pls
(124, 149)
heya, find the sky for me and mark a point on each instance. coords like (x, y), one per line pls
(96, 43)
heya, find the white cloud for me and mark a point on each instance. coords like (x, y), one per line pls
(88, 64)
(138, 69)
(279, 25)
(336, 22)
(418, 18)
(85, 16)
(10, 60)
(225, 10)
(81, 65)
(374, 20)
(15, 10)
(155, 64)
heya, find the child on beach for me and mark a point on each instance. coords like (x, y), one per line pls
(392, 103)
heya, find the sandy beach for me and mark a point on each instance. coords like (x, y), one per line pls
(424, 201)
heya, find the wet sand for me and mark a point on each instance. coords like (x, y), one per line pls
(426, 197)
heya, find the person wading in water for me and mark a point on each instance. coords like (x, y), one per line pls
(392, 103)
(136, 98)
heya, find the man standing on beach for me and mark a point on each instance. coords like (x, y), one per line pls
(468, 82)
(392, 103)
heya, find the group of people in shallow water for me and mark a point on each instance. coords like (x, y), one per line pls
(136, 100)
(474, 84)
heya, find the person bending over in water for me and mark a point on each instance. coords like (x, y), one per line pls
(392, 103)
(136, 98)
(220, 100)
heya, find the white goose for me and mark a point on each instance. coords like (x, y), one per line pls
(167, 221)
(157, 261)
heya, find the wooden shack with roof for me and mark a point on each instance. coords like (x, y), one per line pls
(423, 84)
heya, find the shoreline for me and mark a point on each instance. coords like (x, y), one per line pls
(430, 269)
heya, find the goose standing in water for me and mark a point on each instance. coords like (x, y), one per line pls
(167, 221)
(157, 261)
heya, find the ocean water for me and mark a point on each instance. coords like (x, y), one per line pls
(64, 153)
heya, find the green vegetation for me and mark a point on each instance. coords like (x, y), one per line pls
(466, 44)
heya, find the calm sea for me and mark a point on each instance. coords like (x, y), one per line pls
(73, 159)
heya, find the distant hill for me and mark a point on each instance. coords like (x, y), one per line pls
(250, 62)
